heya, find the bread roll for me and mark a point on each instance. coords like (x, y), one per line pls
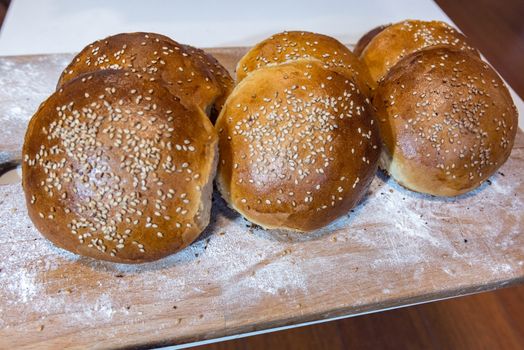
(289, 46)
(116, 168)
(389, 45)
(298, 146)
(156, 57)
(446, 120)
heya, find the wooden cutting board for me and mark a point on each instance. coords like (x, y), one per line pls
(395, 248)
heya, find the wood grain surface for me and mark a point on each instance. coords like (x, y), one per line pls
(395, 248)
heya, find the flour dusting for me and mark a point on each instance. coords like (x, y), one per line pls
(29, 80)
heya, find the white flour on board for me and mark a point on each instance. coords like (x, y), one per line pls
(24, 99)
(246, 263)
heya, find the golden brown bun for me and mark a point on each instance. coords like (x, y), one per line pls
(298, 146)
(116, 168)
(366, 38)
(152, 57)
(398, 40)
(288, 46)
(221, 74)
(446, 120)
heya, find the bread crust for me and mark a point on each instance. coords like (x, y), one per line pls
(298, 144)
(117, 168)
(446, 119)
(392, 43)
(292, 45)
(366, 38)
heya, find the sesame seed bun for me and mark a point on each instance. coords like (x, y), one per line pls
(188, 73)
(293, 45)
(390, 44)
(111, 170)
(298, 146)
(446, 119)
